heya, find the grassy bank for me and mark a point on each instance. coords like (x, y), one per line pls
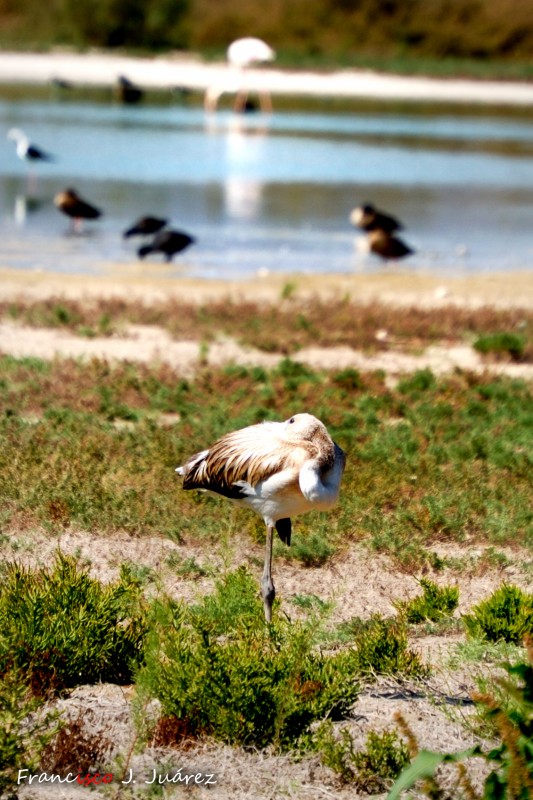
(94, 446)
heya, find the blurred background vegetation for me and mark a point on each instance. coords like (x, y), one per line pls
(322, 32)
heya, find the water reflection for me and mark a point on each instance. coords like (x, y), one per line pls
(271, 192)
(24, 206)
(244, 151)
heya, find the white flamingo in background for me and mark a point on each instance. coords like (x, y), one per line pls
(241, 54)
(278, 469)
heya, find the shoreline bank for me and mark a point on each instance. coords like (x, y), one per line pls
(396, 288)
(186, 72)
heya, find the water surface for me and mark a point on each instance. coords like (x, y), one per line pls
(268, 192)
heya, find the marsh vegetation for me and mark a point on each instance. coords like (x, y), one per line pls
(437, 490)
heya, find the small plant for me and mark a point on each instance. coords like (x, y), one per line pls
(511, 760)
(288, 290)
(25, 731)
(218, 670)
(312, 550)
(507, 615)
(348, 378)
(381, 646)
(61, 628)
(433, 604)
(370, 770)
(502, 343)
(75, 749)
(419, 381)
(188, 567)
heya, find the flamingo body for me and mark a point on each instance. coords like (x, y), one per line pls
(249, 50)
(241, 54)
(277, 469)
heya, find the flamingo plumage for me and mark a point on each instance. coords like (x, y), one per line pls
(278, 469)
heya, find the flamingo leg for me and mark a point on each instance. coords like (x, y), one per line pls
(240, 100)
(267, 584)
(266, 102)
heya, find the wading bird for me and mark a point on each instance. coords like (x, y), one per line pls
(128, 93)
(369, 218)
(387, 246)
(168, 242)
(278, 469)
(28, 152)
(25, 150)
(241, 54)
(70, 203)
(145, 226)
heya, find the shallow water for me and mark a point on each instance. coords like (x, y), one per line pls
(268, 192)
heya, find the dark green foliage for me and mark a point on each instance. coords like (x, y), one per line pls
(419, 382)
(381, 646)
(510, 761)
(60, 628)
(25, 731)
(507, 615)
(119, 23)
(219, 670)
(370, 770)
(433, 604)
(503, 343)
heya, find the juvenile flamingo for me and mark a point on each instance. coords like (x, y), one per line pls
(278, 469)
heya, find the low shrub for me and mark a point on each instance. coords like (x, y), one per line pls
(219, 670)
(501, 343)
(60, 628)
(507, 614)
(370, 770)
(312, 550)
(381, 647)
(433, 604)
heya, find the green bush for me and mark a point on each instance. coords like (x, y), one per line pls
(432, 604)
(507, 614)
(502, 343)
(60, 628)
(218, 669)
(381, 646)
(370, 770)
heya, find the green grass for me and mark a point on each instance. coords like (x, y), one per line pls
(434, 460)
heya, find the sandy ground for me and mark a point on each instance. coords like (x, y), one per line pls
(182, 70)
(150, 344)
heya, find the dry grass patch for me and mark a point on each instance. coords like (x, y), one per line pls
(287, 326)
